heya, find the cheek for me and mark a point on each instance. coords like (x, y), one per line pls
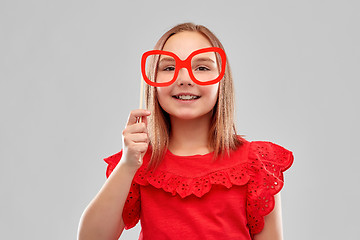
(212, 91)
(162, 93)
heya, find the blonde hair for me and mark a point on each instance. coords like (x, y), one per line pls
(223, 136)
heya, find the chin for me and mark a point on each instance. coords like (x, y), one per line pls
(190, 116)
(187, 117)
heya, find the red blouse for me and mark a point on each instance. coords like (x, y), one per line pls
(195, 197)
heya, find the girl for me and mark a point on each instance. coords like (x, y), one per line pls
(183, 170)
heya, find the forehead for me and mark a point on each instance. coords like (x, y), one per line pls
(184, 43)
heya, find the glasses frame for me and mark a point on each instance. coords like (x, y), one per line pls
(183, 64)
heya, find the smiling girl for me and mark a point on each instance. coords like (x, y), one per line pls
(183, 170)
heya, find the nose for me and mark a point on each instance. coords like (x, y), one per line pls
(184, 78)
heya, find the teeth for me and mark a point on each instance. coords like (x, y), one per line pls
(186, 97)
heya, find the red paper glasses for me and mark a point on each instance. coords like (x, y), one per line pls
(205, 66)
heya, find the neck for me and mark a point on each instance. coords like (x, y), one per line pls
(190, 137)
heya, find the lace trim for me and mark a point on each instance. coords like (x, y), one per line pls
(185, 186)
(268, 162)
(132, 207)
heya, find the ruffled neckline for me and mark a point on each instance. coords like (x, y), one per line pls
(195, 174)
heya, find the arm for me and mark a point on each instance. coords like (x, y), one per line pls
(102, 219)
(273, 223)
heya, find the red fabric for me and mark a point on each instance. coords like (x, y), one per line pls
(194, 197)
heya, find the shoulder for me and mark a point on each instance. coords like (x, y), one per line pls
(270, 154)
(263, 146)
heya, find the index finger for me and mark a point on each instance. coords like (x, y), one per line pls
(136, 114)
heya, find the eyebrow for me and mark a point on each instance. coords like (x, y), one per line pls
(204, 59)
(168, 59)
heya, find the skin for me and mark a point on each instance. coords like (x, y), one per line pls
(190, 121)
(102, 219)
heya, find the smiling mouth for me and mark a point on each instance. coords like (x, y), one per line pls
(186, 97)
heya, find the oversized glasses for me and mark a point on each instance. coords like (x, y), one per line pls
(205, 66)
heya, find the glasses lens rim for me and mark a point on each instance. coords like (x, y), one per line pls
(184, 64)
(209, 66)
(146, 69)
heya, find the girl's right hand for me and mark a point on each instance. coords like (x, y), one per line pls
(135, 138)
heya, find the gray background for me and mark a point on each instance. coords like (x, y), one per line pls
(70, 74)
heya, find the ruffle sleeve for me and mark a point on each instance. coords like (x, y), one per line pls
(131, 210)
(267, 162)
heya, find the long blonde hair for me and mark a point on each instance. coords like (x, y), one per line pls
(223, 136)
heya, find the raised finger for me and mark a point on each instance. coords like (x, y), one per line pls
(136, 114)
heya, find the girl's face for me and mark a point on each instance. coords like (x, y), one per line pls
(178, 99)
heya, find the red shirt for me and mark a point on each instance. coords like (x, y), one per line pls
(195, 197)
